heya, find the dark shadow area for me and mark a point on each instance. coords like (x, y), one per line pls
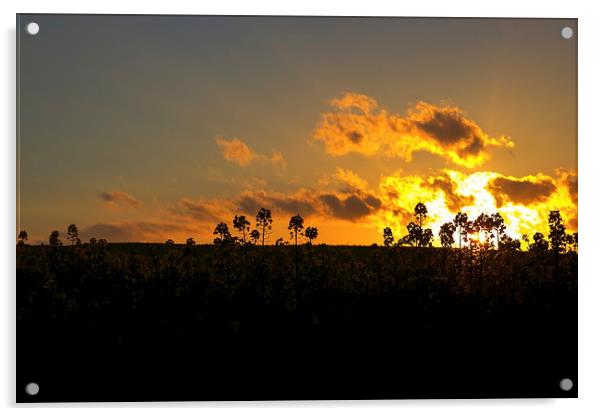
(150, 322)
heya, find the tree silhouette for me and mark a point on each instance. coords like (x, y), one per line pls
(295, 226)
(53, 239)
(426, 238)
(414, 235)
(190, 241)
(497, 224)
(241, 224)
(461, 224)
(102, 242)
(93, 241)
(420, 212)
(73, 234)
(572, 240)
(508, 243)
(540, 244)
(557, 234)
(311, 233)
(483, 227)
(388, 237)
(255, 236)
(169, 242)
(223, 234)
(264, 223)
(446, 234)
(22, 239)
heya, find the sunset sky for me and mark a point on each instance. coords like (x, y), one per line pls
(149, 128)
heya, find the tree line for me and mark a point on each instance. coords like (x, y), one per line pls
(483, 233)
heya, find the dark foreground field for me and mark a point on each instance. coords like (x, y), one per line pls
(132, 322)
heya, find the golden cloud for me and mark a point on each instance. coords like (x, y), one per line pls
(238, 152)
(359, 125)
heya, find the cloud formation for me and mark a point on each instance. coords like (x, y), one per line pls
(359, 125)
(345, 200)
(238, 152)
(334, 205)
(523, 191)
(138, 231)
(119, 198)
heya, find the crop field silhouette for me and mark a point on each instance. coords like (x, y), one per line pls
(241, 320)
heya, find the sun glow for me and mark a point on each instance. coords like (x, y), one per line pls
(451, 192)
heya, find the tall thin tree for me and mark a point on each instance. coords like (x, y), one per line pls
(264, 223)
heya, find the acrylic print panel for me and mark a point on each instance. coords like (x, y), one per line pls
(252, 208)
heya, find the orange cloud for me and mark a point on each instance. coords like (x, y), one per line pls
(278, 160)
(350, 179)
(238, 152)
(116, 198)
(360, 125)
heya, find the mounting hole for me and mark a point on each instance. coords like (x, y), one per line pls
(566, 384)
(566, 32)
(32, 389)
(32, 28)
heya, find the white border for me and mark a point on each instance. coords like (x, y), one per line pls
(590, 208)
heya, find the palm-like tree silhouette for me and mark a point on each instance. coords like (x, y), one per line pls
(311, 233)
(223, 234)
(295, 226)
(420, 213)
(264, 223)
(241, 224)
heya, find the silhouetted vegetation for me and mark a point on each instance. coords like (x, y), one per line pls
(394, 297)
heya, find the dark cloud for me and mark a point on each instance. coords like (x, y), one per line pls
(131, 231)
(199, 210)
(118, 197)
(349, 207)
(573, 188)
(355, 136)
(345, 205)
(447, 127)
(300, 203)
(521, 191)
